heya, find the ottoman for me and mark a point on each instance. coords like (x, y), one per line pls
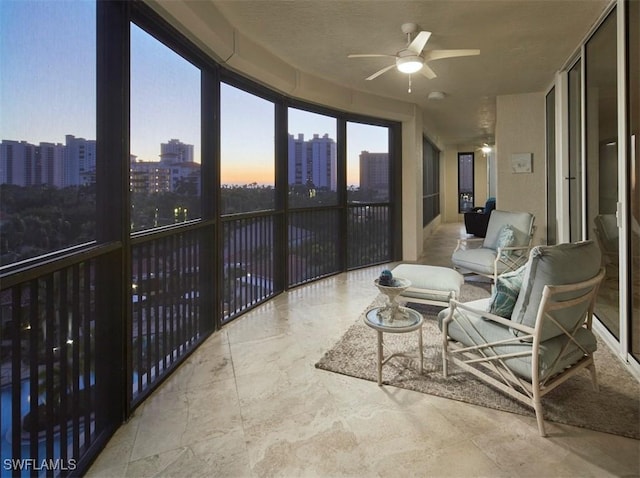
(429, 284)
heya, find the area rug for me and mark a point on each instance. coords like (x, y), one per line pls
(615, 409)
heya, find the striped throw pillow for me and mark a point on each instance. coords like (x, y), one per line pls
(505, 293)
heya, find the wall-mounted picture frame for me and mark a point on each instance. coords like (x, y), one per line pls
(521, 162)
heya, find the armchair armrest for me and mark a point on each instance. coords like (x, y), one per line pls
(471, 241)
(453, 304)
(511, 257)
(476, 349)
(507, 250)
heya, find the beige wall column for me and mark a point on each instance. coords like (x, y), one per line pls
(520, 129)
(449, 191)
(412, 188)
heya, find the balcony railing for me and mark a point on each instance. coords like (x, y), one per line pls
(48, 352)
(165, 299)
(313, 245)
(61, 359)
(368, 235)
(248, 262)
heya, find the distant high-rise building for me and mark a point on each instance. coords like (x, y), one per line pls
(25, 164)
(374, 173)
(51, 159)
(313, 161)
(74, 164)
(185, 178)
(17, 162)
(176, 171)
(80, 160)
(149, 177)
(53, 164)
(176, 152)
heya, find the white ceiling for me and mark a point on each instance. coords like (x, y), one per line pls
(522, 43)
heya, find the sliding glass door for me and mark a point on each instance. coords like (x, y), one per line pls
(601, 119)
(552, 217)
(633, 180)
(574, 177)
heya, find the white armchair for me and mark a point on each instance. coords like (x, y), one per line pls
(542, 338)
(505, 247)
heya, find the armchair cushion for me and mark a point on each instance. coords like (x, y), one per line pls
(505, 293)
(478, 260)
(469, 329)
(479, 329)
(504, 227)
(560, 264)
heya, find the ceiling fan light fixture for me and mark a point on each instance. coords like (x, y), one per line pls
(409, 64)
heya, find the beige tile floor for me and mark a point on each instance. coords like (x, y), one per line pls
(249, 403)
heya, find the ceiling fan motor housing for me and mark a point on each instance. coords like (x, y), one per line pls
(409, 28)
(409, 63)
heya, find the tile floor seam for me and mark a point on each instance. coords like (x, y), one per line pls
(240, 408)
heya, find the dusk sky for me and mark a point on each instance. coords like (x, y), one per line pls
(47, 52)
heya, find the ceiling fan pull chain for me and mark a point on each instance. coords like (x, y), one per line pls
(409, 83)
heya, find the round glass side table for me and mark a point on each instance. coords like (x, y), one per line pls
(407, 320)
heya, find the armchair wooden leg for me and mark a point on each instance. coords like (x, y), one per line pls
(594, 378)
(445, 368)
(445, 371)
(537, 405)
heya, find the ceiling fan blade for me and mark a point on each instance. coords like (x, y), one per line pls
(418, 43)
(380, 72)
(428, 72)
(439, 54)
(369, 55)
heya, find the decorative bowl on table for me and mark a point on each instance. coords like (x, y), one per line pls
(391, 289)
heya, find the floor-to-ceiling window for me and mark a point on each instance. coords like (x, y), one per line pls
(465, 182)
(48, 331)
(165, 187)
(247, 176)
(313, 224)
(156, 214)
(430, 182)
(601, 133)
(370, 169)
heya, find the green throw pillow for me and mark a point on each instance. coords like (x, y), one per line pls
(505, 293)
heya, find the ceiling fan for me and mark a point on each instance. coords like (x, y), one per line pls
(414, 58)
(486, 148)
